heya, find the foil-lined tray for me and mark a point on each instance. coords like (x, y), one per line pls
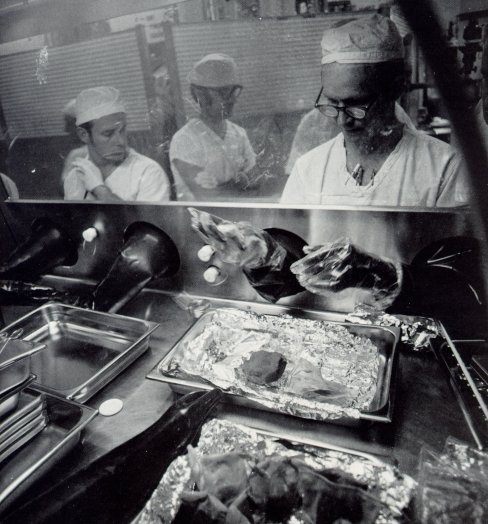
(384, 482)
(318, 335)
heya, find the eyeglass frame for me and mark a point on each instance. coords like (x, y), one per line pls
(364, 108)
(232, 95)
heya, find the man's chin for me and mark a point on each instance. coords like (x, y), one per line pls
(354, 134)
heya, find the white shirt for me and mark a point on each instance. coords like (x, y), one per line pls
(420, 171)
(195, 143)
(315, 129)
(136, 178)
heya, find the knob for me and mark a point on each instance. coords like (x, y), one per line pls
(205, 253)
(89, 234)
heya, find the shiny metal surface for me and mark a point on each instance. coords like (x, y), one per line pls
(9, 399)
(385, 339)
(84, 349)
(15, 361)
(471, 392)
(26, 409)
(397, 234)
(65, 422)
(17, 439)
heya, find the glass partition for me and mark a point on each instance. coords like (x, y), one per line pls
(51, 50)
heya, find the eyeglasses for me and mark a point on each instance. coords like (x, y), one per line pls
(356, 112)
(227, 93)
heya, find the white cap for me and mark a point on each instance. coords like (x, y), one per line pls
(95, 102)
(214, 70)
(366, 40)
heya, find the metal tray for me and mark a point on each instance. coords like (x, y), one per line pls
(65, 422)
(85, 349)
(26, 405)
(385, 339)
(15, 360)
(21, 424)
(222, 436)
(9, 399)
(21, 437)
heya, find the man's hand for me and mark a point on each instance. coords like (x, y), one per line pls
(88, 173)
(340, 265)
(206, 180)
(237, 243)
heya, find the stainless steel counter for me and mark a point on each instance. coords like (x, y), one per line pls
(425, 411)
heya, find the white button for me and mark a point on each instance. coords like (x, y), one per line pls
(211, 274)
(205, 253)
(110, 407)
(90, 234)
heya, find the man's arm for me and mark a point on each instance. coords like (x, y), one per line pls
(188, 173)
(102, 192)
(85, 177)
(73, 187)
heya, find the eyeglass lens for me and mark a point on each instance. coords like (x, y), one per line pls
(333, 111)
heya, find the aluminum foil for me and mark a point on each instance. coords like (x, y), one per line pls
(330, 373)
(453, 486)
(416, 332)
(385, 482)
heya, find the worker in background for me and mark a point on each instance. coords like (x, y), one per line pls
(376, 159)
(110, 170)
(210, 153)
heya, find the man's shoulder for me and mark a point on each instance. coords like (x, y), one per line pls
(433, 145)
(138, 159)
(236, 129)
(191, 128)
(320, 152)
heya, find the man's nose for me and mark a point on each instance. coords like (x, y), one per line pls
(343, 118)
(120, 138)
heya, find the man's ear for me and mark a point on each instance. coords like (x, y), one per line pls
(83, 135)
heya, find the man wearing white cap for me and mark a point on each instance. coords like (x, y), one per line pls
(375, 160)
(110, 170)
(210, 152)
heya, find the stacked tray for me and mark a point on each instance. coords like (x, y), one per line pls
(35, 437)
(21, 426)
(15, 368)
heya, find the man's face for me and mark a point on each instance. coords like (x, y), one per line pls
(218, 103)
(107, 141)
(348, 85)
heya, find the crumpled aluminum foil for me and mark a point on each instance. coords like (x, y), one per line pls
(215, 355)
(385, 482)
(416, 332)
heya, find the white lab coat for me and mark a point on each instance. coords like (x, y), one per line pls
(420, 171)
(137, 178)
(195, 143)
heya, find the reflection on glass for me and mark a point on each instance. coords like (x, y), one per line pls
(264, 128)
